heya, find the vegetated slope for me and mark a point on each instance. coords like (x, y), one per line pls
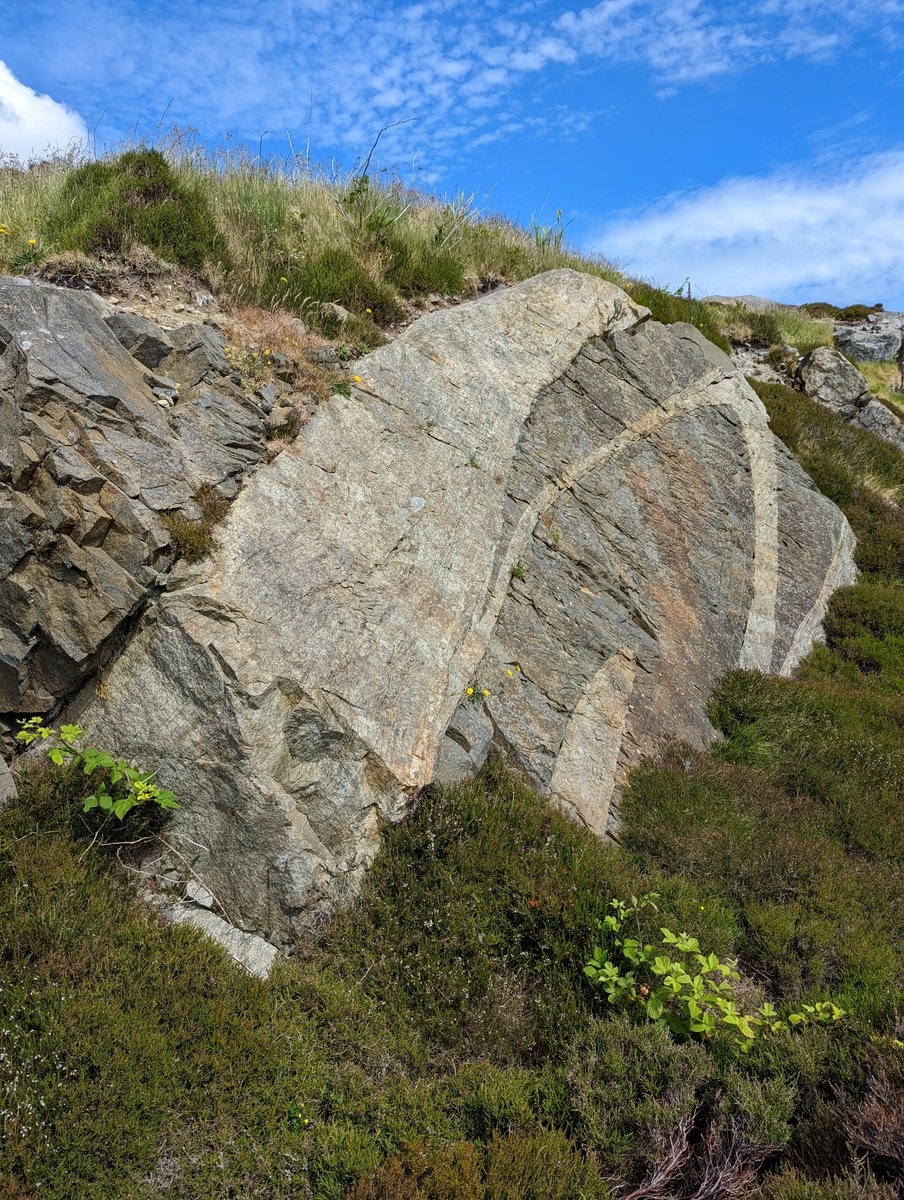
(285, 236)
(441, 1039)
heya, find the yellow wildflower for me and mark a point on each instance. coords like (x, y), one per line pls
(4, 231)
(368, 310)
(267, 351)
(32, 241)
(470, 691)
(486, 691)
(282, 279)
(517, 668)
(509, 673)
(356, 378)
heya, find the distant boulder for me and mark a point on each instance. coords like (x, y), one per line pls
(877, 340)
(832, 381)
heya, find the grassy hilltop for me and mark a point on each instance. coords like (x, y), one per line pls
(440, 1041)
(290, 238)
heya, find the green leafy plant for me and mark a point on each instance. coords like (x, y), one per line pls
(693, 994)
(518, 572)
(131, 787)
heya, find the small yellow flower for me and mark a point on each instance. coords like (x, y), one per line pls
(4, 231)
(517, 668)
(486, 691)
(470, 691)
(509, 673)
(267, 351)
(356, 378)
(282, 279)
(32, 241)
(368, 310)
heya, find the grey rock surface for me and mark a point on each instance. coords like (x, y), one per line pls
(832, 381)
(758, 304)
(878, 340)
(297, 687)
(249, 951)
(880, 420)
(89, 458)
(144, 340)
(8, 791)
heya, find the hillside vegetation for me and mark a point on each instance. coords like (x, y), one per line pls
(440, 1040)
(281, 236)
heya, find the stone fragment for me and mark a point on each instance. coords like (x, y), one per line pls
(257, 956)
(269, 394)
(142, 338)
(280, 417)
(197, 893)
(335, 312)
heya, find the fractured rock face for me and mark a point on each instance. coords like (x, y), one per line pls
(541, 493)
(877, 340)
(881, 421)
(89, 456)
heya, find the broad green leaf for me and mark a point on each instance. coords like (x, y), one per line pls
(654, 1008)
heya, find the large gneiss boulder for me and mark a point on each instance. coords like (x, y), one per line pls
(92, 450)
(543, 495)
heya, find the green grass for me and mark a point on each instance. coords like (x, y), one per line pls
(109, 205)
(774, 328)
(279, 236)
(884, 381)
(195, 539)
(852, 312)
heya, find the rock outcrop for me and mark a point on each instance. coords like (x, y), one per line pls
(8, 790)
(829, 379)
(832, 381)
(94, 445)
(878, 339)
(881, 421)
(542, 495)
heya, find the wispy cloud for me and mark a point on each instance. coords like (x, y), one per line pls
(787, 235)
(449, 63)
(31, 124)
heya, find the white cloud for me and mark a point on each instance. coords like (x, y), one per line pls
(789, 236)
(31, 124)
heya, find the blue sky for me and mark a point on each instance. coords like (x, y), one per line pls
(750, 148)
